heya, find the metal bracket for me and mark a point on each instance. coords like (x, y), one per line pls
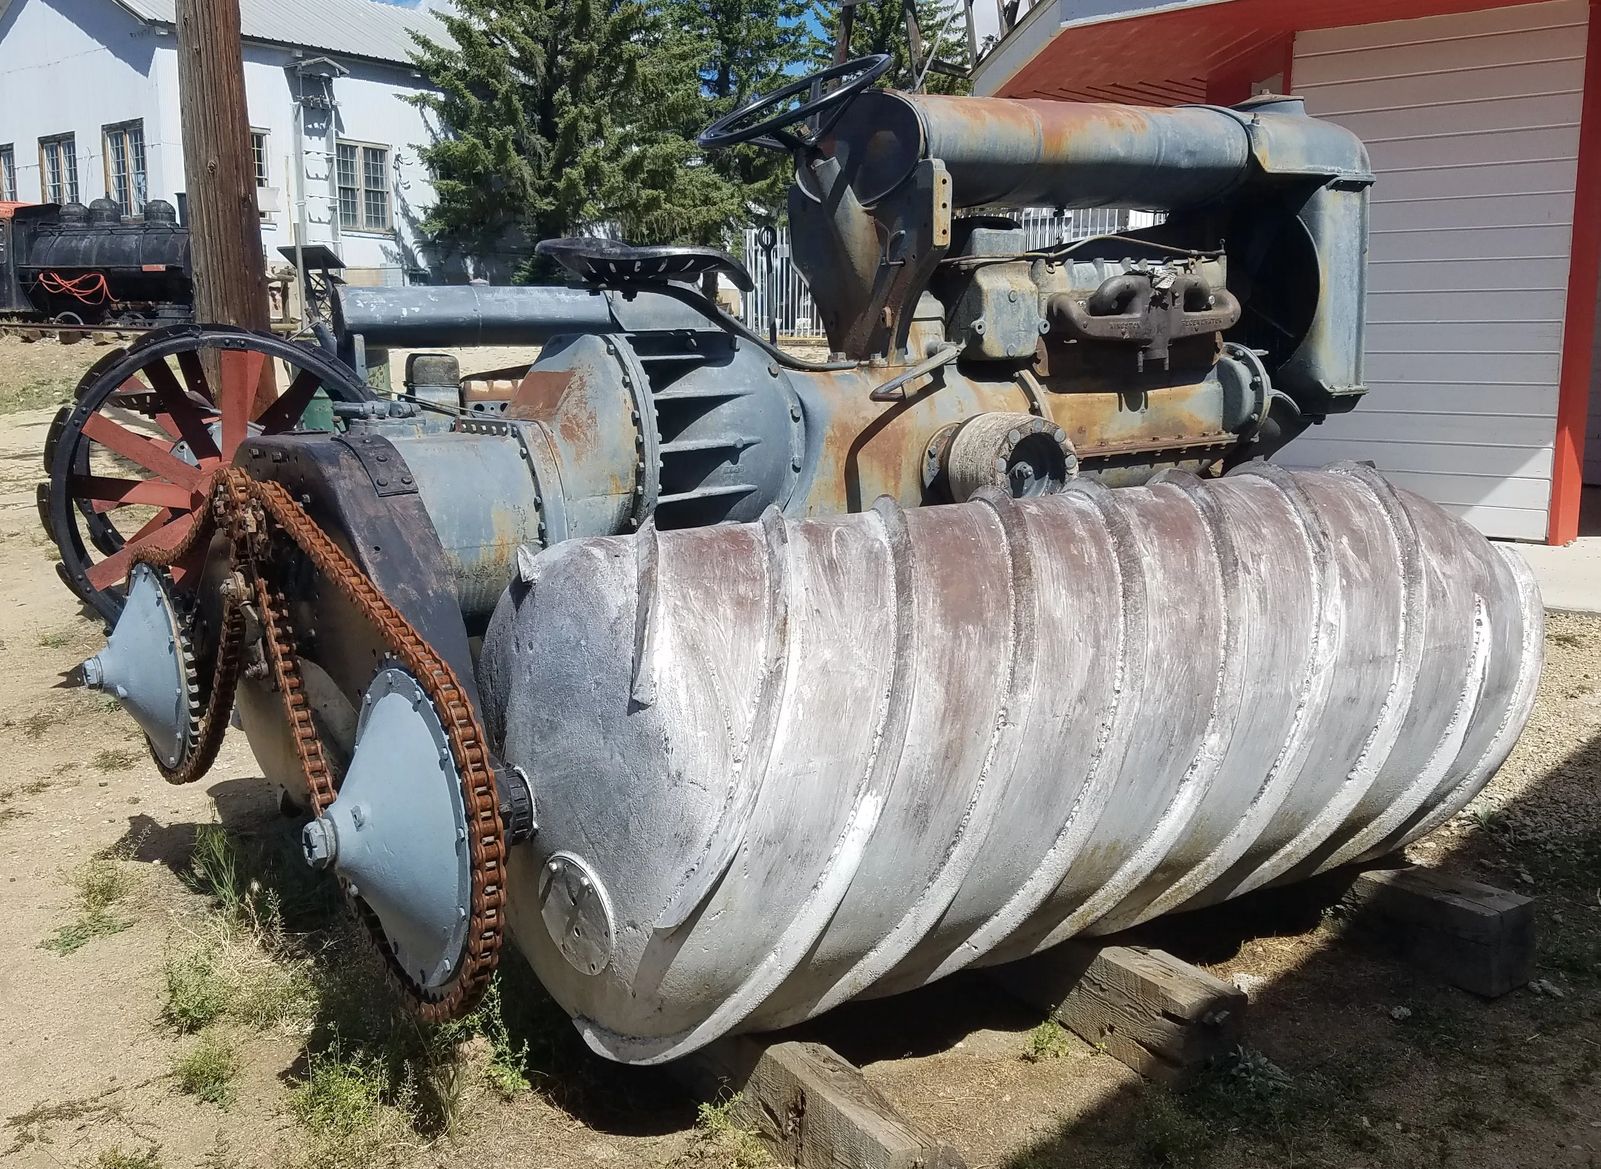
(378, 457)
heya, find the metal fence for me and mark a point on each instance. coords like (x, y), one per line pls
(781, 293)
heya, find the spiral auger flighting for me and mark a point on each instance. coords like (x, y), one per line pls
(1112, 703)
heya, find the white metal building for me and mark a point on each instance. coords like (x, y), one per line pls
(89, 108)
(1483, 120)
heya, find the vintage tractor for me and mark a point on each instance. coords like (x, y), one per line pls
(733, 686)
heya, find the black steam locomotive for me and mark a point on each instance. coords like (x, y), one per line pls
(77, 265)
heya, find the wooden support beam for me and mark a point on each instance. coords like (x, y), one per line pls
(813, 1108)
(1162, 1017)
(1472, 935)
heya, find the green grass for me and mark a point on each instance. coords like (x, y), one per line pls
(115, 759)
(507, 1069)
(260, 881)
(101, 887)
(209, 1070)
(1249, 1096)
(56, 639)
(36, 393)
(196, 994)
(227, 976)
(731, 1143)
(274, 949)
(118, 1159)
(1048, 1041)
(1169, 1133)
(340, 1105)
(340, 1096)
(9, 800)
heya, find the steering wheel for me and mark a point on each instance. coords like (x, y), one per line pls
(747, 125)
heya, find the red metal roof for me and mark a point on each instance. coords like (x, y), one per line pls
(1167, 56)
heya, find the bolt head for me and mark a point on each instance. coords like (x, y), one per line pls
(319, 844)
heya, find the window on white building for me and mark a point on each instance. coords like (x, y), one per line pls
(259, 159)
(58, 169)
(363, 173)
(258, 155)
(125, 167)
(8, 174)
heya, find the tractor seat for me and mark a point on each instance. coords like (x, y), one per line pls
(609, 261)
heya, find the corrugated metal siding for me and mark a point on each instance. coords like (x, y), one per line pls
(1472, 122)
(361, 28)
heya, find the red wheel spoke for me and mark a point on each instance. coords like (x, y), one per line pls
(120, 492)
(185, 413)
(154, 524)
(114, 568)
(286, 411)
(162, 422)
(152, 456)
(241, 379)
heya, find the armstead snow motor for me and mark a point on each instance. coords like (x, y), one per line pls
(732, 686)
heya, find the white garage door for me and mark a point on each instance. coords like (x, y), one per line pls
(1472, 122)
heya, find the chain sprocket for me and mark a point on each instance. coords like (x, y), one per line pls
(250, 514)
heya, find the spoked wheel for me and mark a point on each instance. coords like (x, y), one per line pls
(133, 457)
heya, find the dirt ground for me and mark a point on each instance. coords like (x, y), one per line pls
(115, 919)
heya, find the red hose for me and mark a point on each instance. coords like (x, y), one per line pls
(90, 288)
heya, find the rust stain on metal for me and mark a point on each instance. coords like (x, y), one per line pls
(539, 395)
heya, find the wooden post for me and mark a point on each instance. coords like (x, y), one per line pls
(230, 270)
(847, 19)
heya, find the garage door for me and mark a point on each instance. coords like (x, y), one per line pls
(1472, 122)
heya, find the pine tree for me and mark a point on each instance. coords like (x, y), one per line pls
(559, 115)
(748, 48)
(880, 27)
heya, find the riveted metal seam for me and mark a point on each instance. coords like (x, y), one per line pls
(548, 489)
(648, 437)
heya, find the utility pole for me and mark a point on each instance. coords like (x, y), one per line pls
(230, 271)
(842, 44)
(914, 40)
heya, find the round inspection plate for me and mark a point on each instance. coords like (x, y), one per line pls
(577, 912)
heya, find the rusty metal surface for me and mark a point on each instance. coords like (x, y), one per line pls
(803, 761)
(1017, 153)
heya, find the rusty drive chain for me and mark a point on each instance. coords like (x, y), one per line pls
(250, 513)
